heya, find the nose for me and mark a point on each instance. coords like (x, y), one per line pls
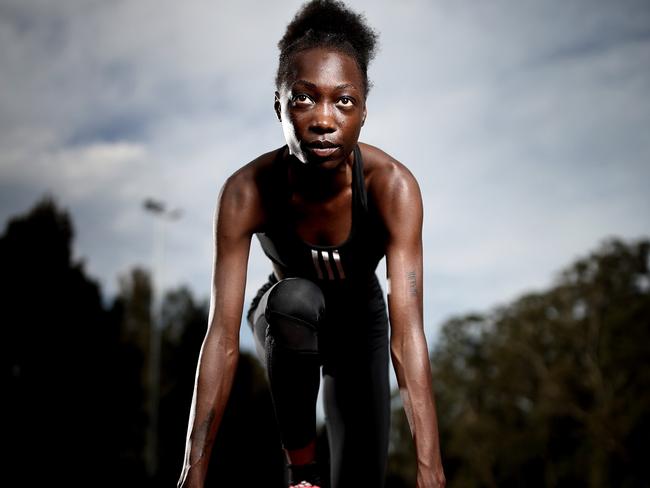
(323, 121)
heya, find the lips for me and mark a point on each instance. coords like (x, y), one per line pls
(322, 148)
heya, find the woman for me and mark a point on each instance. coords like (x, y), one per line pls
(325, 209)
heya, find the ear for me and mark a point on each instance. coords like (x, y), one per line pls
(277, 106)
(365, 113)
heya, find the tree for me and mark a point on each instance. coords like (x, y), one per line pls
(554, 388)
(59, 346)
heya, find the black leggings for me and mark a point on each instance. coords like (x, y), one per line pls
(297, 329)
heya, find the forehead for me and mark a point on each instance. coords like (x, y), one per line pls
(325, 67)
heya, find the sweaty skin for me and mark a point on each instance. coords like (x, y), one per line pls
(322, 109)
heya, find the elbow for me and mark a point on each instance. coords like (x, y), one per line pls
(229, 346)
(397, 353)
(221, 344)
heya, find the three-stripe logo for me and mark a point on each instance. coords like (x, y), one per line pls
(327, 257)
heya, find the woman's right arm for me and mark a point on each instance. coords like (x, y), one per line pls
(234, 220)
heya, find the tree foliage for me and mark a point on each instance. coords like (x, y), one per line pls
(554, 388)
(76, 379)
(66, 371)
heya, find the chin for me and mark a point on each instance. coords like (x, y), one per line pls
(297, 152)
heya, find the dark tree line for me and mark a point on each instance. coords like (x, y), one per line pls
(57, 347)
(75, 373)
(550, 390)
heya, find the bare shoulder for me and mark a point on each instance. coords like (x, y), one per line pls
(387, 179)
(242, 196)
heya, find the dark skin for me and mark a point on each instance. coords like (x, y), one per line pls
(322, 109)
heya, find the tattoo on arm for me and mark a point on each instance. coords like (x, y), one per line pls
(413, 287)
(203, 437)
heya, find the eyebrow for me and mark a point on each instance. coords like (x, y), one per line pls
(311, 85)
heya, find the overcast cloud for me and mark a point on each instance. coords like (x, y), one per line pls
(526, 124)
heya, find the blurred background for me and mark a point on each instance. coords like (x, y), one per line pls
(524, 122)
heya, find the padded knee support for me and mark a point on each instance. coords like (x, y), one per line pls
(294, 312)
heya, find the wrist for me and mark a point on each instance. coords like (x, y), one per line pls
(193, 475)
(431, 477)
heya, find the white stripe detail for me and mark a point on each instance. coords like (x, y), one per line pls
(326, 258)
(314, 258)
(339, 267)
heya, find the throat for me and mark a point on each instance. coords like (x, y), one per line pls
(317, 185)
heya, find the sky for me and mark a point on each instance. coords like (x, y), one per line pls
(525, 123)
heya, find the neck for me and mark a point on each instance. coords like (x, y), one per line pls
(318, 183)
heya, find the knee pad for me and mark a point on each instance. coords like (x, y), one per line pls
(294, 312)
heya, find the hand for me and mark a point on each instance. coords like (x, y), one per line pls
(431, 478)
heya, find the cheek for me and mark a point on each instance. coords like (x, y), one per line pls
(294, 128)
(299, 121)
(351, 124)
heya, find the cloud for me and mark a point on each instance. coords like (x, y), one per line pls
(522, 121)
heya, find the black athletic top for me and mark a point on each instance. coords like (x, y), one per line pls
(351, 263)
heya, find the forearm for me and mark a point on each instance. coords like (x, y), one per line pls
(215, 375)
(413, 371)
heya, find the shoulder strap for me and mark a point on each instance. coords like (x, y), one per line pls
(279, 184)
(360, 181)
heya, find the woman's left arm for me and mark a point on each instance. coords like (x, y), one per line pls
(401, 207)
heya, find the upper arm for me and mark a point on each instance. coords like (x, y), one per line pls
(401, 207)
(236, 216)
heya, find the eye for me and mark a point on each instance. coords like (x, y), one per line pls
(345, 101)
(301, 99)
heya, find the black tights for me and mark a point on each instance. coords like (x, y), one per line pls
(296, 331)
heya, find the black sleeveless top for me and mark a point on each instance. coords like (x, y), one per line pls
(344, 266)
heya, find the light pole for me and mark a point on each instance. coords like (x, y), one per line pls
(158, 209)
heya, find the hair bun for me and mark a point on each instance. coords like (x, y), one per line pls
(328, 23)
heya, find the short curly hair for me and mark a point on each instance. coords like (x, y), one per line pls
(328, 23)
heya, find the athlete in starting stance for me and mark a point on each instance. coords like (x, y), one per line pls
(325, 209)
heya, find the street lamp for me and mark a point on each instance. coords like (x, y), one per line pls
(158, 209)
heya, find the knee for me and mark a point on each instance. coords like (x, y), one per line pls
(294, 312)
